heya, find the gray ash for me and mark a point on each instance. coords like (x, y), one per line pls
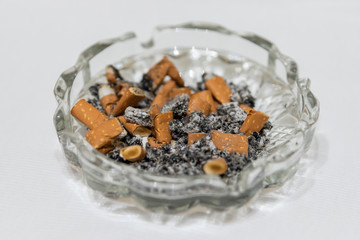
(133, 140)
(177, 127)
(241, 94)
(146, 102)
(257, 143)
(94, 90)
(138, 116)
(201, 85)
(177, 105)
(178, 158)
(96, 103)
(232, 111)
(267, 127)
(146, 83)
(197, 123)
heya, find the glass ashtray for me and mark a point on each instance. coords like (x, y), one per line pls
(194, 48)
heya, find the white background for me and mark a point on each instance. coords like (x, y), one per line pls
(40, 39)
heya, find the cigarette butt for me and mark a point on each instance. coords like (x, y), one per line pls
(207, 96)
(130, 99)
(174, 74)
(163, 94)
(88, 114)
(154, 111)
(112, 74)
(157, 73)
(219, 89)
(155, 76)
(107, 97)
(135, 129)
(193, 137)
(101, 137)
(216, 166)
(233, 143)
(133, 153)
(179, 91)
(161, 127)
(197, 103)
(153, 143)
(254, 122)
(122, 88)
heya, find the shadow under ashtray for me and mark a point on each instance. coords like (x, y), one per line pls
(267, 201)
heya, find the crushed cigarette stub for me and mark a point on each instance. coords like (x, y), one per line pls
(154, 111)
(107, 97)
(112, 74)
(133, 153)
(207, 96)
(161, 126)
(197, 103)
(130, 99)
(254, 122)
(101, 137)
(88, 114)
(174, 74)
(135, 129)
(163, 95)
(155, 76)
(193, 137)
(219, 89)
(179, 91)
(233, 143)
(121, 88)
(216, 166)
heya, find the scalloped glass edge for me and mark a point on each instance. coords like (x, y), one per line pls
(180, 193)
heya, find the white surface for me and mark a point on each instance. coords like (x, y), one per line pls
(40, 39)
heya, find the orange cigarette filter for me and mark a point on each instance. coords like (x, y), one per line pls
(174, 74)
(163, 94)
(216, 166)
(219, 89)
(158, 72)
(197, 103)
(254, 122)
(233, 143)
(130, 99)
(101, 137)
(154, 111)
(161, 127)
(107, 97)
(133, 153)
(193, 137)
(135, 129)
(207, 96)
(88, 114)
(179, 91)
(122, 88)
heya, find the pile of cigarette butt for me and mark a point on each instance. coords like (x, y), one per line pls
(161, 126)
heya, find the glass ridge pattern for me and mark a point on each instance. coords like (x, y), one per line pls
(194, 48)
